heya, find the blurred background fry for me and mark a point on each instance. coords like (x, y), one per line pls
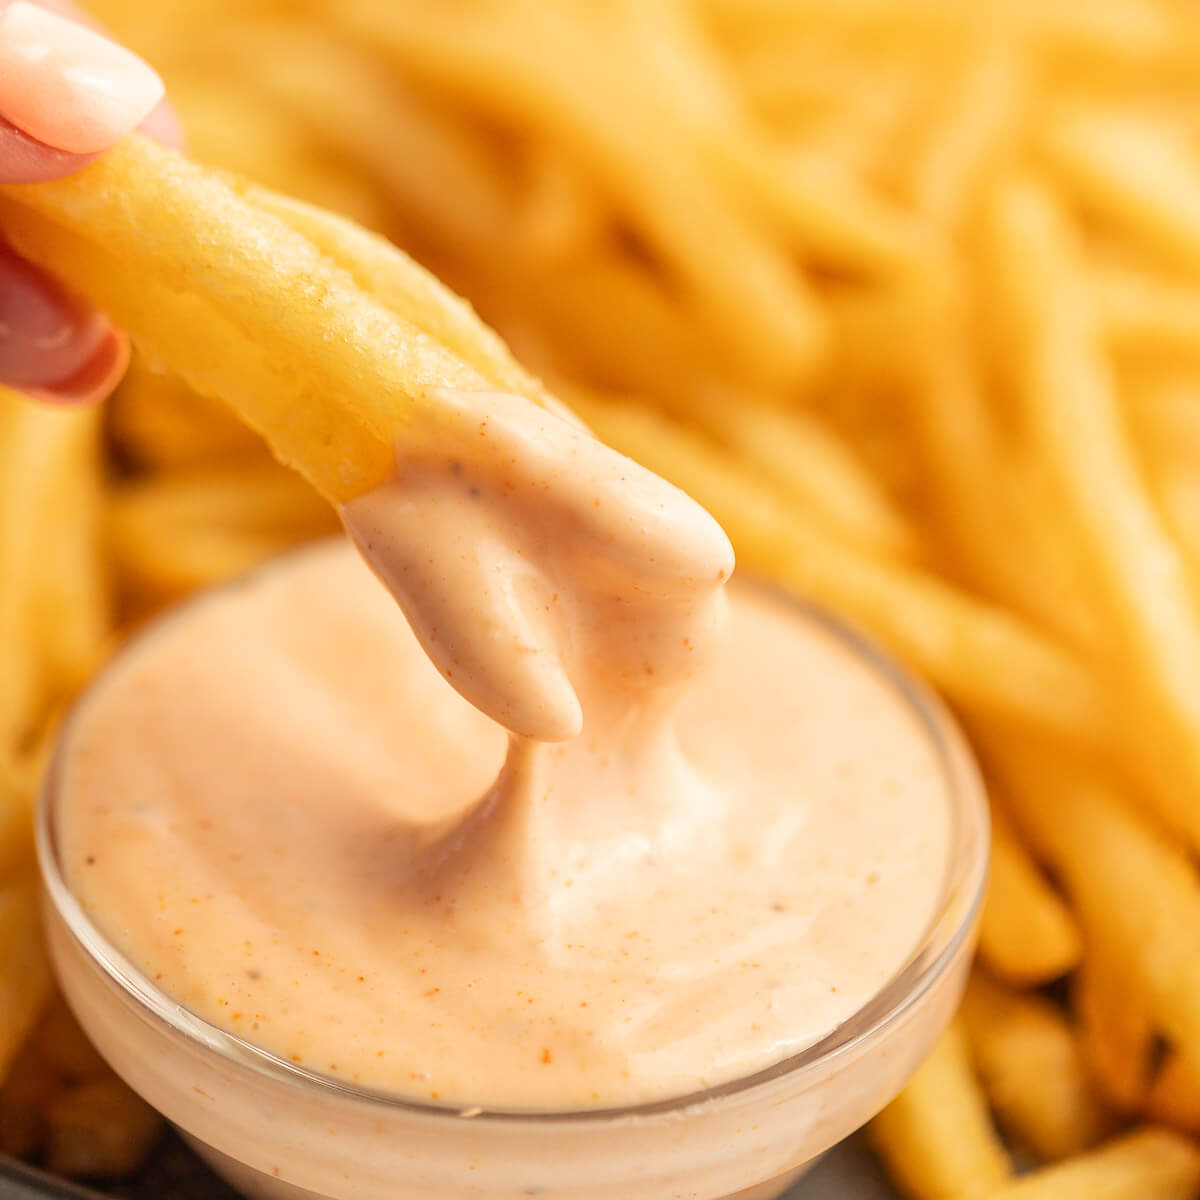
(907, 292)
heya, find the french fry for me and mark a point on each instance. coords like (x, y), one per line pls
(332, 377)
(1112, 29)
(957, 438)
(260, 495)
(1150, 1163)
(1158, 204)
(806, 461)
(936, 1138)
(1072, 414)
(1100, 846)
(63, 1046)
(191, 529)
(24, 967)
(981, 656)
(1174, 1097)
(613, 325)
(979, 129)
(1116, 1036)
(18, 790)
(74, 592)
(1027, 935)
(426, 160)
(100, 1130)
(25, 1094)
(407, 291)
(1031, 1070)
(1146, 315)
(1165, 417)
(158, 422)
(53, 602)
(755, 304)
(229, 123)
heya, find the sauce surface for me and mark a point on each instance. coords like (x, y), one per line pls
(276, 806)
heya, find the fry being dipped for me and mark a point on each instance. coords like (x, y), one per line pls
(349, 359)
(332, 362)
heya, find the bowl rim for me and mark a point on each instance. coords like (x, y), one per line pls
(949, 932)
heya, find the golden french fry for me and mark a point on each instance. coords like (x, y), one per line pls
(549, 76)
(610, 322)
(1031, 1070)
(63, 1046)
(982, 657)
(1001, 535)
(100, 1130)
(1116, 1036)
(936, 1138)
(54, 597)
(1146, 315)
(25, 1095)
(158, 422)
(185, 530)
(1174, 1097)
(431, 163)
(806, 461)
(18, 791)
(406, 290)
(24, 967)
(978, 126)
(1027, 935)
(1150, 1163)
(74, 585)
(832, 218)
(1165, 416)
(1158, 203)
(1116, 30)
(1101, 848)
(1072, 414)
(253, 496)
(331, 375)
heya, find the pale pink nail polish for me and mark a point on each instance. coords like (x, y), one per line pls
(95, 380)
(68, 86)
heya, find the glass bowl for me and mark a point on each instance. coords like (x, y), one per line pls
(278, 1131)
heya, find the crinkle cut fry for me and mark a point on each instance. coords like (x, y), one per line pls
(246, 308)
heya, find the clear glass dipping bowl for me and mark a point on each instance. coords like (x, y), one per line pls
(278, 1131)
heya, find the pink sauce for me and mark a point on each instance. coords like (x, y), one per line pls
(731, 834)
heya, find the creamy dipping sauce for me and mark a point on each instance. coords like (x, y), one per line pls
(279, 810)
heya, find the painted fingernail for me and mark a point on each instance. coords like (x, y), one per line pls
(51, 346)
(67, 86)
(96, 379)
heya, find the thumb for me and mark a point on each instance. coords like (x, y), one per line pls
(66, 85)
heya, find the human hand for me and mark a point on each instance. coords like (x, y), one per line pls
(67, 93)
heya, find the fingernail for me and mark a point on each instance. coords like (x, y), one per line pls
(96, 379)
(67, 86)
(51, 346)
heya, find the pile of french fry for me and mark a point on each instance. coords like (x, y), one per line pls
(907, 292)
